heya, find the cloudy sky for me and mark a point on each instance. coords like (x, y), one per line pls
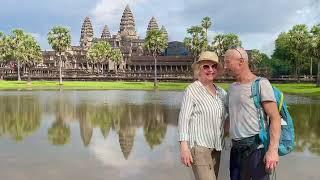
(257, 22)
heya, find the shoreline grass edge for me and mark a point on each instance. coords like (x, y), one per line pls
(292, 88)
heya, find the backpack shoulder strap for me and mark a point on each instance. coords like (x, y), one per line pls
(280, 98)
(255, 93)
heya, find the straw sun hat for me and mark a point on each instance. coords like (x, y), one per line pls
(207, 56)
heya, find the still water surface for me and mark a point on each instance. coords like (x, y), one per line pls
(127, 135)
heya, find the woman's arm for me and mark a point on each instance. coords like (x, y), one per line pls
(183, 126)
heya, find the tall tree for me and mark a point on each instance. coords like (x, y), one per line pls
(3, 49)
(315, 45)
(282, 48)
(293, 46)
(222, 42)
(116, 57)
(155, 43)
(22, 48)
(256, 58)
(99, 52)
(59, 38)
(260, 63)
(197, 41)
(206, 24)
(299, 39)
(2, 46)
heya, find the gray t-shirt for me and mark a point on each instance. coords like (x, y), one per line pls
(243, 114)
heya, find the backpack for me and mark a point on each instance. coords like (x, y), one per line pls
(287, 138)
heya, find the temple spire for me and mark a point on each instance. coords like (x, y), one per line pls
(164, 30)
(152, 25)
(86, 33)
(127, 24)
(105, 33)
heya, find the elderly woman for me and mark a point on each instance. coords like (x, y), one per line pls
(201, 119)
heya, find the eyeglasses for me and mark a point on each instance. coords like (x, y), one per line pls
(207, 66)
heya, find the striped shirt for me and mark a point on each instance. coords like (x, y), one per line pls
(202, 116)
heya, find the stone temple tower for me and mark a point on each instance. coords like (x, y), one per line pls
(127, 25)
(164, 31)
(105, 33)
(152, 25)
(86, 34)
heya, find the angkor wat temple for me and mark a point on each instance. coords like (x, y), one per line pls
(136, 64)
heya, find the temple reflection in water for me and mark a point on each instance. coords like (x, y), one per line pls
(23, 115)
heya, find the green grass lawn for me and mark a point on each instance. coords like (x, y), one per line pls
(301, 89)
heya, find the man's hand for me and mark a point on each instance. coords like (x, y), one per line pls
(186, 157)
(271, 160)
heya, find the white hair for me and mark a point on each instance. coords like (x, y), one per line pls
(196, 71)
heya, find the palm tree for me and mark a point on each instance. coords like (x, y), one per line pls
(99, 52)
(197, 42)
(222, 42)
(2, 46)
(59, 38)
(116, 57)
(155, 43)
(206, 24)
(23, 48)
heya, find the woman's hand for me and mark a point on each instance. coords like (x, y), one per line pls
(186, 157)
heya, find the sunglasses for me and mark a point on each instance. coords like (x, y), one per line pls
(207, 66)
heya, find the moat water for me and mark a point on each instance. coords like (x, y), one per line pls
(129, 135)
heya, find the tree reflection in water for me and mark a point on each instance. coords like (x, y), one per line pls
(59, 133)
(155, 127)
(307, 126)
(19, 116)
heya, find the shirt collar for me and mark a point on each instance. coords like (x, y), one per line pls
(218, 89)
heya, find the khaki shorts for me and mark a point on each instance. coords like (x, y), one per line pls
(205, 163)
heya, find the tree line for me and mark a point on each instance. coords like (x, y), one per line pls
(296, 51)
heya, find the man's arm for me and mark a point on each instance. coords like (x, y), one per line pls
(272, 156)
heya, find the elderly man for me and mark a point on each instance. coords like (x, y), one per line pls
(248, 158)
